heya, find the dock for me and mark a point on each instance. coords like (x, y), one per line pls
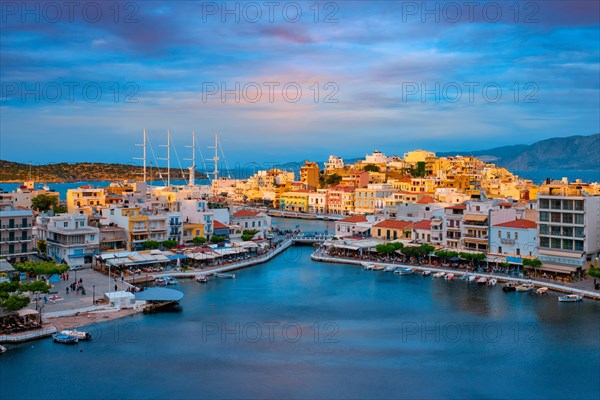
(29, 335)
(553, 286)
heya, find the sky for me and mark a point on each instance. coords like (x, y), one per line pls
(286, 81)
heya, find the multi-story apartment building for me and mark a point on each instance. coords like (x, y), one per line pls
(334, 163)
(140, 226)
(317, 202)
(296, 201)
(391, 229)
(452, 227)
(372, 198)
(68, 238)
(340, 200)
(248, 219)
(569, 226)
(16, 239)
(309, 175)
(86, 200)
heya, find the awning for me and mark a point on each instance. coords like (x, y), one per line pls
(27, 311)
(159, 294)
(475, 217)
(563, 269)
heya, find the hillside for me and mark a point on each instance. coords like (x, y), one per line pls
(572, 152)
(81, 172)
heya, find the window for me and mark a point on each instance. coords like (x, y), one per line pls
(499, 234)
(544, 228)
(516, 235)
(508, 235)
(555, 243)
(544, 241)
(567, 231)
(579, 219)
(24, 248)
(579, 205)
(92, 237)
(567, 244)
(66, 224)
(555, 230)
(518, 252)
(555, 217)
(544, 203)
(567, 218)
(544, 216)
(567, 204)
(579, 245)
(555, 204)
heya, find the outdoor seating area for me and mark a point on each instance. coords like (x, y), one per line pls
(21, 321)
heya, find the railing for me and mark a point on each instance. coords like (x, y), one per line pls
(507, 241)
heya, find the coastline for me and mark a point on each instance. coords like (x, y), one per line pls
(501, 278)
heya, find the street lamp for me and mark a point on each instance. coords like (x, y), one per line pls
(93, 294)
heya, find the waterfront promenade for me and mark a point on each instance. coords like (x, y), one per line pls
(322, 256)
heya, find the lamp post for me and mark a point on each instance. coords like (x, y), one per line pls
(94, 295)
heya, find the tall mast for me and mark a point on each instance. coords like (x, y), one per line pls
(143, 158)
(192, 168)
(216, 157)
(168, 146)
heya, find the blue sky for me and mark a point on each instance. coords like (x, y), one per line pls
(388, 74)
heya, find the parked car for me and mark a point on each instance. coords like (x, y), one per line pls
(76, 267)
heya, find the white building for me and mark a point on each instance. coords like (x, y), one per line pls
(248, 220)
(317, 201)
(517, 238)
(333, 164)
(69, 238)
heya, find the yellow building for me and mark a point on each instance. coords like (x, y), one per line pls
(85, 199)
(294, 201)
(191, 231)
(309, 175)
(391, 229)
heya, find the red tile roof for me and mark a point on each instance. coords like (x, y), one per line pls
(506, 204)
(394, 224)
(246, 213)
(518, 224)
(424, 225)
(219, 225)
(354, 218)
(457, 207)
(426, 200)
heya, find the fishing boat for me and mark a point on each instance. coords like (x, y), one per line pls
(368, 266)
(426, 273)
(404, 271)
(201, 279)
(225, 275)
(482, 281)
(65, 339)
(570, 298)
(80, 335)
(492, 282)
(378, 267)
(160, 281)
(2, 349)
(509, 287)
(449, 277)
(525, 287)
(465, 277)
(439, 274)
(542, 291)
(472, 278)
(391, 268)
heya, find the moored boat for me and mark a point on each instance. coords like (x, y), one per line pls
(449, 277)
(377, 267)
(225, 275)
(404, 271)
(509, 287)
(2, 349)
(465, 277)
(201, 279)
(160, 281)
(492, 282)
(171, 281)
(542, 291)
(65, 339)
(525, 287)
(439, 274)
(80, 335)
(390, 268)
(472, 278)
(426, 273)
(570, 298)
(482, 281)
(368, 266)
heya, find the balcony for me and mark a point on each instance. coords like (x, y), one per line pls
(507, 241)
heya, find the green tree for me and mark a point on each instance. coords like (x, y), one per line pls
(42, 246)
(169, 244)
(14, 302)
(41, 267)
(333, 179)
(150, 245)
(248, 234)
(594, 272)
(371, 168)
(36, 286)
(217, 239)
(44, 202)
(59, 209)
(199, 240)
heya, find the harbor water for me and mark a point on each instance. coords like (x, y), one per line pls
(296, 328)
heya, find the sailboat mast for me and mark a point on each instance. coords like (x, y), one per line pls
(168, 158)
(144, 157)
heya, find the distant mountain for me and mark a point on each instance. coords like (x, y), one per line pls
(564, 153)
(82, 172)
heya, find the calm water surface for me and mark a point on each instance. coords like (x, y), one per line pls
(300, 329)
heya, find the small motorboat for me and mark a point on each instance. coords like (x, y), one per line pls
(225, 275)
(426, 273)
(472, 278)
(449, 277)
(465, 277)
(368, 266)
(160, 281)
(404, 271)
(171, 281)
(525, 287)
(390, 268)
(439, 274)
(492, 282)
(509, 287)
(570, 298)
(80, 335)
(2, 349)
(201, 279)
(65, 339)
(482, 281)
(542, 291)
(378, 267)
